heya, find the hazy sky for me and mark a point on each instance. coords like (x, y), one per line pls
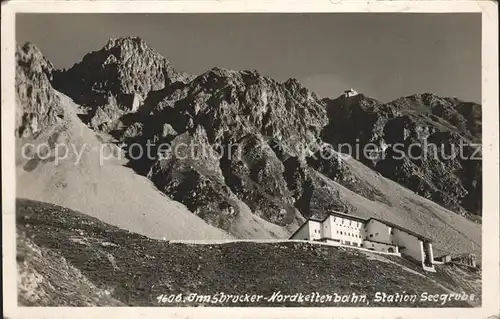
(384, 56)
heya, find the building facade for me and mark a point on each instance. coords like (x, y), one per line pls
(372, 234)
(350, 93)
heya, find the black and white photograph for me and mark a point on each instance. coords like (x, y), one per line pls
(242, 159)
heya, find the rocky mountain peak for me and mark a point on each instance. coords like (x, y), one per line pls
(292, 82)
(31, 58)
(131, 53)
(293, 85)
(221, 72)
(425, 100)
(116, 79)
(126, 42)
(357, 104)
(217, 78)
(38, 104)
(464, 117)
(122, 66)
(409, 122)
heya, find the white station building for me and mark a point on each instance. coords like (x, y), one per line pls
(372, 234)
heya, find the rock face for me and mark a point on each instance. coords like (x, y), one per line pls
(194, 177)
(246, 125)
(115, 80)
(39, 105)
(424, 142)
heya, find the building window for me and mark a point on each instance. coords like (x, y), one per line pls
(371, 235)
(376, 234)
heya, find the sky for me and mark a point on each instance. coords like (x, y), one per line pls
(383, 55)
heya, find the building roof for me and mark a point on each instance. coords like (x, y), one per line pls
(421, 237)
(348, 216)
(337, 214)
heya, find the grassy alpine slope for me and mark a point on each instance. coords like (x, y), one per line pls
(68, 258)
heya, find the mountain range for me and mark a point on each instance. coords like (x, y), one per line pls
(289, 165)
